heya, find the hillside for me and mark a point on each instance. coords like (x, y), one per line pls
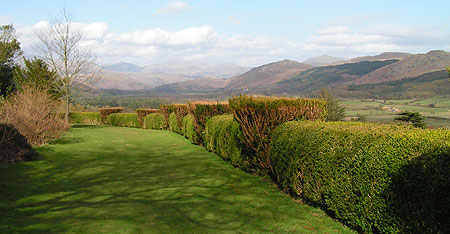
(122, 67)
(136, 81)
(323, 60)
(382, 56)
(267, 74)
(202, 85)
(411, 66)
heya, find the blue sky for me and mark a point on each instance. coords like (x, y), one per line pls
(243, 32)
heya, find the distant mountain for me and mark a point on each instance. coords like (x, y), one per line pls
(136, 81)
(380, 57)
(123, 67)
(323, 60)
(197, 70)
(267, 74)
(201, 85)
(410, 66)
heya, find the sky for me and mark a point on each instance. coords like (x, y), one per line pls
(246, 32)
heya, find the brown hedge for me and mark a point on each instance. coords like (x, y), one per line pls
(166, 110)
(141, 113)
(180, 111)
(107, 111)
(259, 116)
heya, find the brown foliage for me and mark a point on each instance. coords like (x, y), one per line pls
(259, 116)
(14, 146)
(180, 111)
(141, 113)
(107, 111)
(33, 112)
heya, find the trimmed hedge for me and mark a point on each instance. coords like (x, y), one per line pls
(173, 123)
(259, 116)
(141, 113)
(180, 111)
(85, 117)
(166, 110)
(154, 121)
(104, 112)
(14, 146)
(375, 177)
(188, 127)
(222, 137)
(124, 120)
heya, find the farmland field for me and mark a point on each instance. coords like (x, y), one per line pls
(436, 111)
(100, 179)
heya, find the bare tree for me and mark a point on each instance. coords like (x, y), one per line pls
(60, 46)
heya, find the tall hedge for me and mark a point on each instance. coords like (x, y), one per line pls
(180, 111)
(377, 178)
(259, 116)
(166, 110)
(85, 117)
(154, 121)
(104, 112)
(188, 127)
(202, 111)
(222, 137)
(173, 123)
(124, 120)
(141, 113)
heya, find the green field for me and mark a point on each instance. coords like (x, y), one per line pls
(125, 180)
(436, 111)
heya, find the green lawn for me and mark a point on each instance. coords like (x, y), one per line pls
(125, 180)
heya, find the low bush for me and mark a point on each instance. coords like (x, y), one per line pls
(154, 121)
(173, 123)
(202, 111)
(85, 117)
(188, 127)
(104, 112)
(377, 178)
(222, 137)
(124, 120)
(14, 146)
(144, 112)
(259, 116)
(33, 112)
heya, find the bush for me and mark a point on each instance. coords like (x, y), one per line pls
(85, 117)
(154, 121)
(202, 111)
(166, 110)
(222, 137)
(259, 116)
(188, 127)
(14, 146)
(105, 112)
(378, 178)
(124, 120)
(180, 111)
(141, 113)
(33, 112)
(173, 123)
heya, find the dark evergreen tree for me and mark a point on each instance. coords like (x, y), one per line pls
(336, 112)
(414, 118)
(9, 51)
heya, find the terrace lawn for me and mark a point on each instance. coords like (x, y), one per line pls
(101, 179)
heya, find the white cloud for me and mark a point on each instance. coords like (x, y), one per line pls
(232, 20)
(173, 8)
(5, 19)
(333, 30)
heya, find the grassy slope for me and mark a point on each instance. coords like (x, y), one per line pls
(124, 180)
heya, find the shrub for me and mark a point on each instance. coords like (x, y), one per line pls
(188, 127)
(166, 110)
(141, 113)
(180, 111)
(104, 112)
(222, 137)
(173, 123)
(14, 146)
(258, 116)
(202, 111)
(124, 120)
(154, 121)
(378, 178)
(85, 117)
(33, 112)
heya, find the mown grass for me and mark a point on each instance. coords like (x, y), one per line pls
(125, 180)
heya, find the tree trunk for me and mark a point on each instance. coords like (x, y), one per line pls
(67, 102)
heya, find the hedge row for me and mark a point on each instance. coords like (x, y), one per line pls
(201, 112)
(173, 123)
(141, 113)
(154, 121)
(378, 178)
(188, 127)
(85, 117)
(104, 112)
(124, 120)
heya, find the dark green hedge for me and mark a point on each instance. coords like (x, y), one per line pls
(188, 127)
(377, 178)
(173, 123)
(154, 121)
(85, 117)
(124, 120)
(222, 137)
